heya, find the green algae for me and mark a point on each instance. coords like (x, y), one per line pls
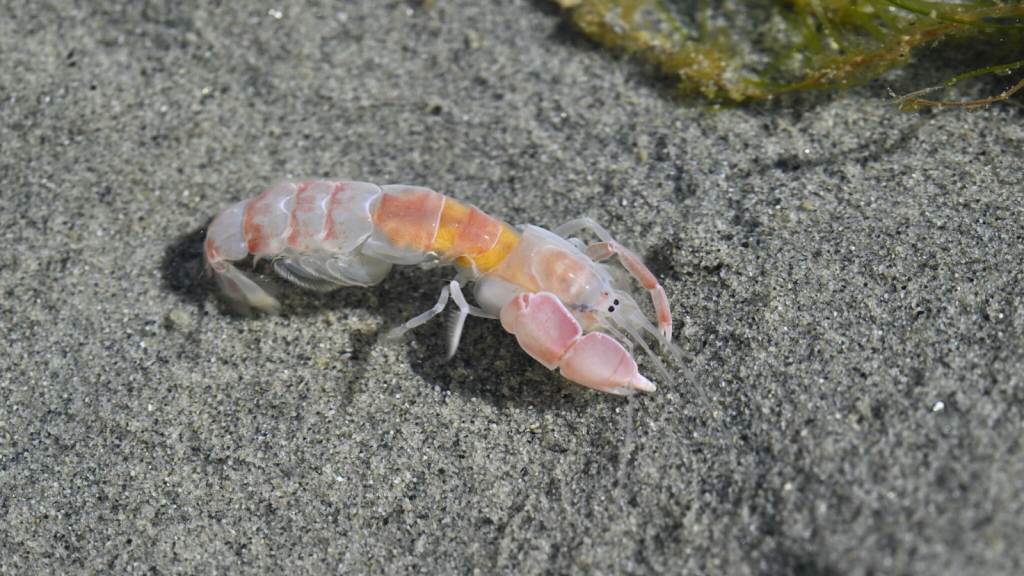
(744, 50)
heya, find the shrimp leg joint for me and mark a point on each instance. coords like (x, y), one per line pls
(566, 306)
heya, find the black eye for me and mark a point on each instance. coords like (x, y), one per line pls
(616, 302)
(611, 308)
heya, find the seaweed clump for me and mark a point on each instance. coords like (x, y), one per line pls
(744, 50)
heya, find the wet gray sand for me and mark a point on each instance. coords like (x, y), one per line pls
(848, 279)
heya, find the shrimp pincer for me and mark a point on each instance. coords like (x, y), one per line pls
(567, 308)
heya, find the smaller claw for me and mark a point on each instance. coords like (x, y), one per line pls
(604, 250)
(547, 331)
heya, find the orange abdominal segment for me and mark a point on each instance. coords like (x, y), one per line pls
(410, 219)
(478, 233)
(425, 220)
(507, 240)
(471, 238)
(453, 221)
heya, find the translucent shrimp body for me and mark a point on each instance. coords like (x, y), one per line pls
(566, 308)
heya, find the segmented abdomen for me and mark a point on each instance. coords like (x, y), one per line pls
(332, 216)
(324, 234)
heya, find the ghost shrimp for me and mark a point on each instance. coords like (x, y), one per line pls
(567, 308)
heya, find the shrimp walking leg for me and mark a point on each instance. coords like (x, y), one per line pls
(465, 309)
(573, 226)
(396, 333)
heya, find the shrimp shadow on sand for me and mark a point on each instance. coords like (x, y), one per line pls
(488, 365)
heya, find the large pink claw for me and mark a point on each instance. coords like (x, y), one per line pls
(548, 332)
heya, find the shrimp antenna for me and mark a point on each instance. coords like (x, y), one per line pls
(632, 316)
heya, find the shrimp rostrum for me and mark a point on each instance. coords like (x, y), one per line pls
(567, 308)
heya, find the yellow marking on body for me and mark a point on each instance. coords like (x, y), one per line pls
(506, 242)
(452, 215)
